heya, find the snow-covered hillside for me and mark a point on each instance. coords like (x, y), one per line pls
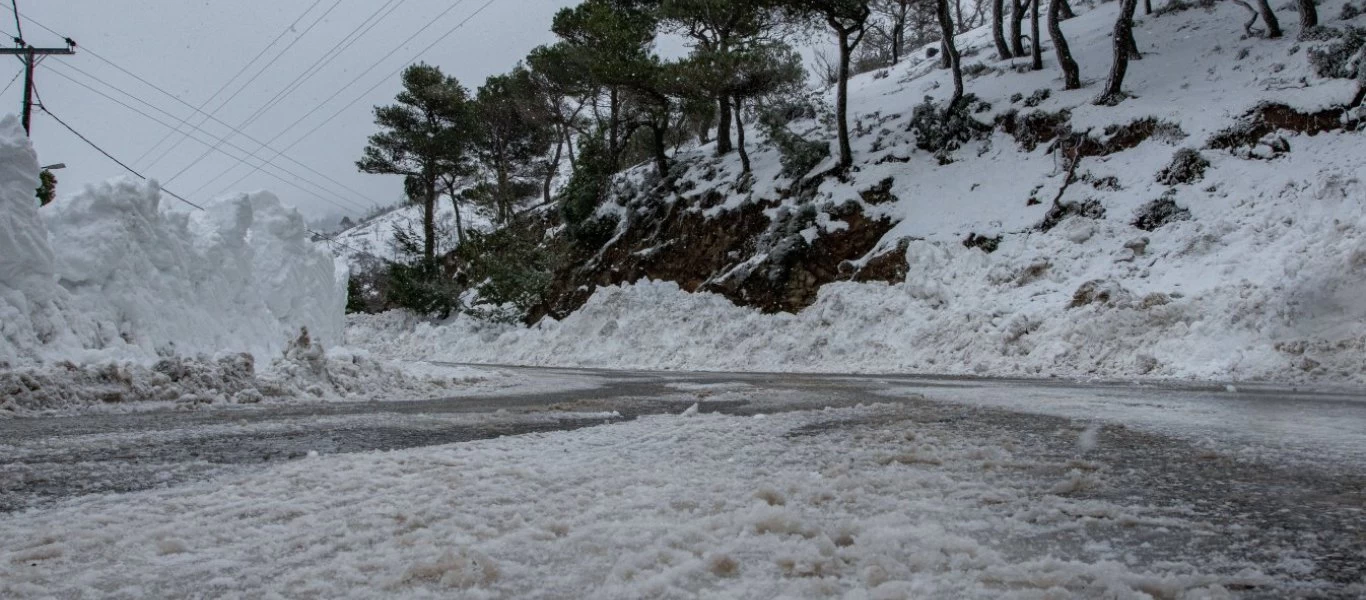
(1251, 268)
(375, 236)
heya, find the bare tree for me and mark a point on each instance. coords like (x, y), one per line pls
(1071, 74)
(1124, 42)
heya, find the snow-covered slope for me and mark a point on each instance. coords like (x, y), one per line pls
(1265, 280)
(375, 237)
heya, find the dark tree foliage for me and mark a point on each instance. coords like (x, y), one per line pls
(47, 188)
(515, 128)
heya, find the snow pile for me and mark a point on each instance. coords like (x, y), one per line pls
(850, 503)
(1257, 271)
(304, 374)
(107, 273)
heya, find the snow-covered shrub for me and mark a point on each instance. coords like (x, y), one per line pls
(1089, 209)
(1349, 11)
(1187, 166)
(797, 155)
(1160, 212)
(1344, 54)
(943, 131)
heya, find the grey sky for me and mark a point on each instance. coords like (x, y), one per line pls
(192, 47)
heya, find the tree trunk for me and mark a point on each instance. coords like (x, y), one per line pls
(569, 147)
(1071, 74)
(899, 39)
(944, 62)
(613, 129)
(1036, 46)
(661, 145)
(1309, 15)
(958, 16)
(723, 146)
(842, 99)
(998, 19)
(1273, 26)
(551, 170)
(1124, 33)
(1065, 11)
(459, 222)
(504, 203)
(951, 52)
(1016, 21)
(1147, 7)
(740, 136)
(429, 217)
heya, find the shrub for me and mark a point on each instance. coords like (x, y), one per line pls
(1187, 166)
(942, 131)
(510, 270)
(797, 155)
(1342, 56)
(1160, 212)
(422, 287)
(588, 185)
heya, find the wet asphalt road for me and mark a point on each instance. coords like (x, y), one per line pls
(1272, 468)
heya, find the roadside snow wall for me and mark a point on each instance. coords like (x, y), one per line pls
(107, 274)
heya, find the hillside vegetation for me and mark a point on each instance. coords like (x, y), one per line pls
(1206, 223)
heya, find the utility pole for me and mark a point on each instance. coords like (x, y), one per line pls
(30, 55)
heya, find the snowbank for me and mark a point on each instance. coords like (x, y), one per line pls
(108, 274)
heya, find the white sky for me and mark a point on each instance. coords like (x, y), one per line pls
(192, 47)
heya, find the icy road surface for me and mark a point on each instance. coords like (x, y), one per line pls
(802, 486)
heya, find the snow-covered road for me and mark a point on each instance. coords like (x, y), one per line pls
(802, 486)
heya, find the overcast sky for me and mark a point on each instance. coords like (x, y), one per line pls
(191, 48)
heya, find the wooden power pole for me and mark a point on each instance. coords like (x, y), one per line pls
(30, 55)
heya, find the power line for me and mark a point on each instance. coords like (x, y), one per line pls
(17, 25)
(11, 82)
(120, 163)
(372, 88)
(247, 84)
(308, 73)
(227, 83)
(167, 125)
(199, 127)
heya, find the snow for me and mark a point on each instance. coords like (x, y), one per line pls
(110, 301)
(373, 238)
(108, 273)
(1266, 281)
(795, 505)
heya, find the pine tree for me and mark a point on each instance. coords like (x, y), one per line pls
(424, 136)
(513, 129)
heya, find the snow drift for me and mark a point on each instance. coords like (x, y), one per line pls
(108, 274)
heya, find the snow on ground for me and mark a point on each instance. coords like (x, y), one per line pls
(374, 238)
(1265, 281)
(791, 505)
